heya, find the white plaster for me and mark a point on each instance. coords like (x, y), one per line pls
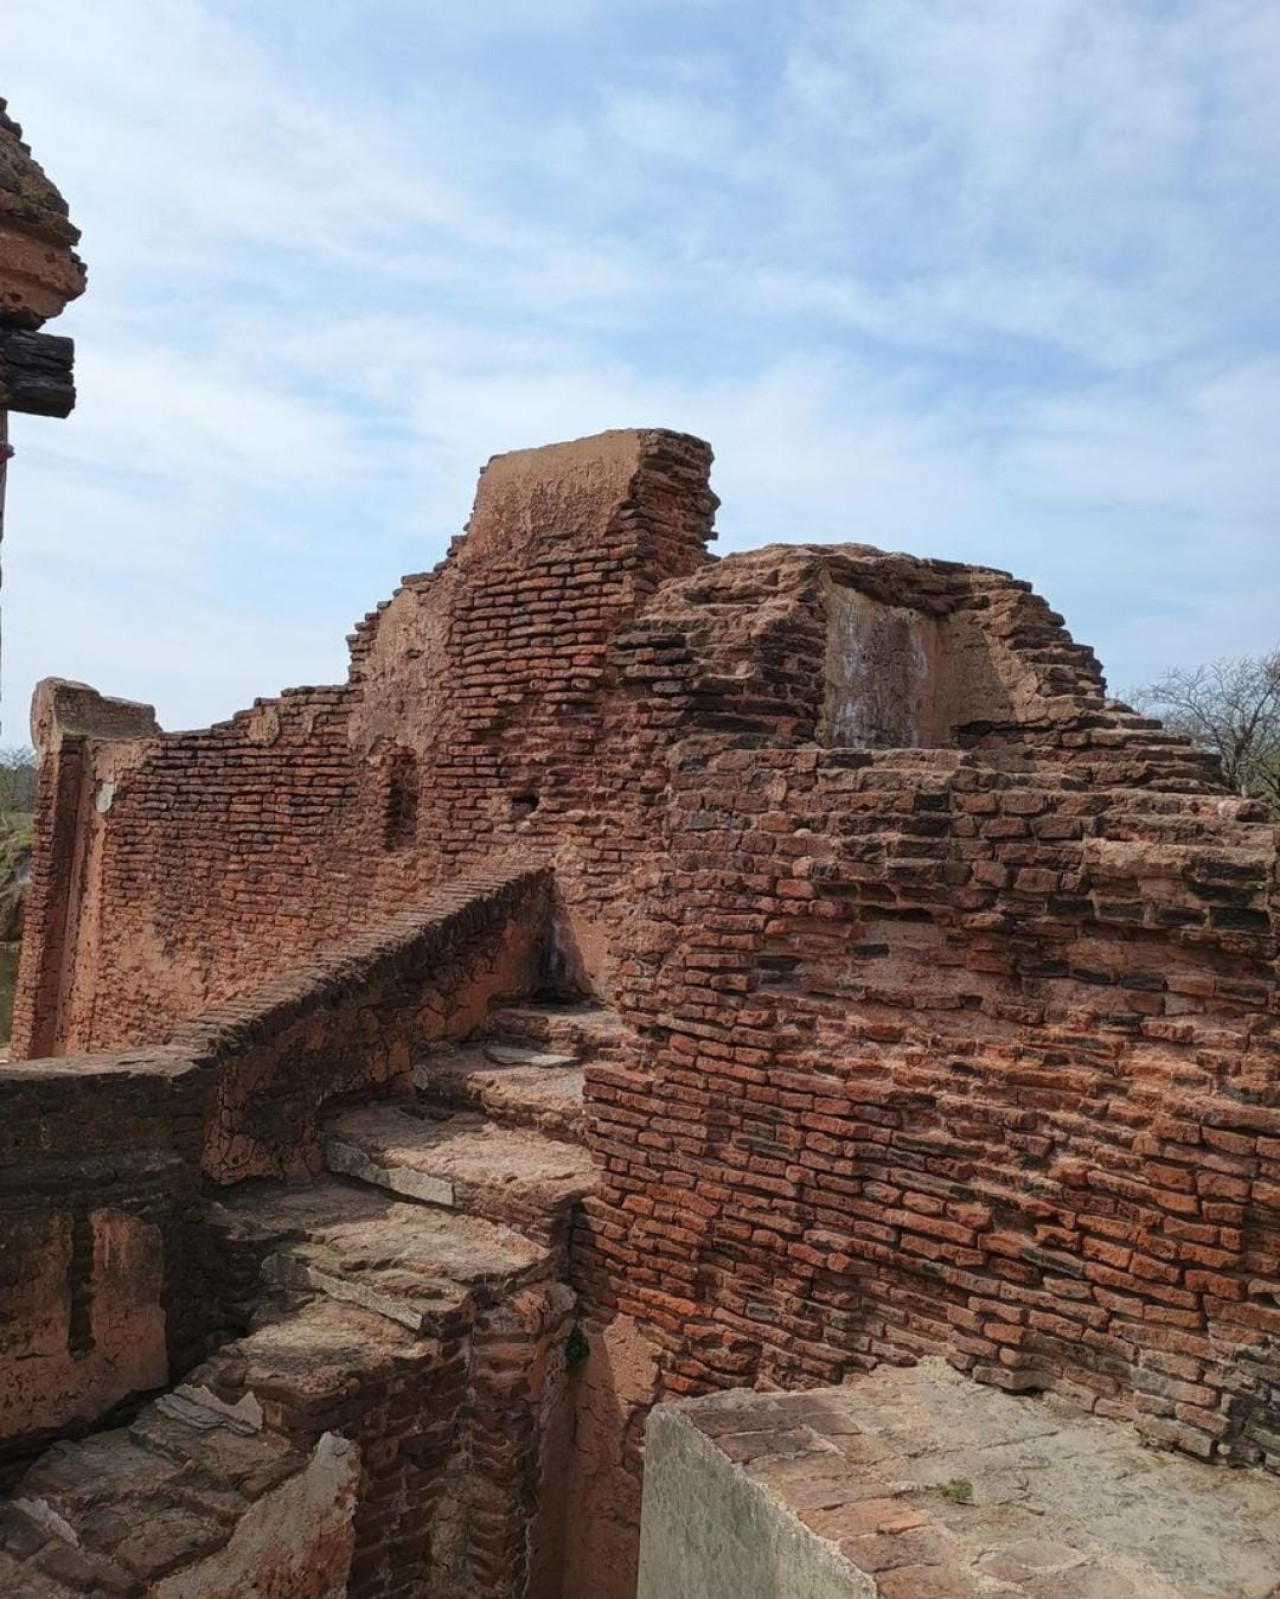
(878, 667)
(244, 1416)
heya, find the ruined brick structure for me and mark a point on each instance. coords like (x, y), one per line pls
(39, 273)
(487, 712)
(39, 269)
(884, 991)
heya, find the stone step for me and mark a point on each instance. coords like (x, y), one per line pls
(444, 1426)
(311, 1359)
(190, 1499)
(510, 1175)
(430, 1270)
(507, 1054)
(515, 1086)
(582, 1028)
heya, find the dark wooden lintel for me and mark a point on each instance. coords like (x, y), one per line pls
(36, 373)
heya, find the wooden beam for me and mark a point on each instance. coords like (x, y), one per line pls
(36, 373)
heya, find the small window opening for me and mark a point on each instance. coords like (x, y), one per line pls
(400, 814)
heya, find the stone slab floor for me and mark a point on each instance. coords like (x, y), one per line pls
(934, 1487)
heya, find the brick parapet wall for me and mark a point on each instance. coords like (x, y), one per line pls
(940, 1058)
(347, 1024)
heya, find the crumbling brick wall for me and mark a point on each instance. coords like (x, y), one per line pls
(952, 981)
(174, 870)
(97, 1190)
(942, 1058)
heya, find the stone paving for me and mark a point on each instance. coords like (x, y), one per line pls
(196, 1498)
(938, 1488)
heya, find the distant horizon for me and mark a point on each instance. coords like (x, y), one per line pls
(986, 283)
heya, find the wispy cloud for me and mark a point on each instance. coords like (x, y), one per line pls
(987, 280)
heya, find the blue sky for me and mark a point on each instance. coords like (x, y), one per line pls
(987, 279)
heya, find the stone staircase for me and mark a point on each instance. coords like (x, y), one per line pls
(496, 1128)
(412, 1300)
(189, 1499)
(529, 1069)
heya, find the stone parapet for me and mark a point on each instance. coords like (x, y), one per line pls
(39, 269)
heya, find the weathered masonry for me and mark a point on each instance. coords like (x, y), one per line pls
(39, 273)
(647, 975)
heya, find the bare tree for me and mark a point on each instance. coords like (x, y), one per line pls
(1231, 707)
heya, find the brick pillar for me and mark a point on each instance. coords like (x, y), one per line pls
(59, 805)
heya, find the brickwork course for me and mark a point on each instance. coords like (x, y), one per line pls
(930, 1002)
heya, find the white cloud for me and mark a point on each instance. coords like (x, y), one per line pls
(986, 280)
(1069, 170)
(675, 127)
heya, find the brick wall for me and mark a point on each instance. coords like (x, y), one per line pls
(941, 1058)
(174, 871)
(522, 697)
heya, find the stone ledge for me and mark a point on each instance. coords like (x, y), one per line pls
(912, 1483)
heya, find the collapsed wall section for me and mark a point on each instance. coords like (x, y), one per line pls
(847, 646)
